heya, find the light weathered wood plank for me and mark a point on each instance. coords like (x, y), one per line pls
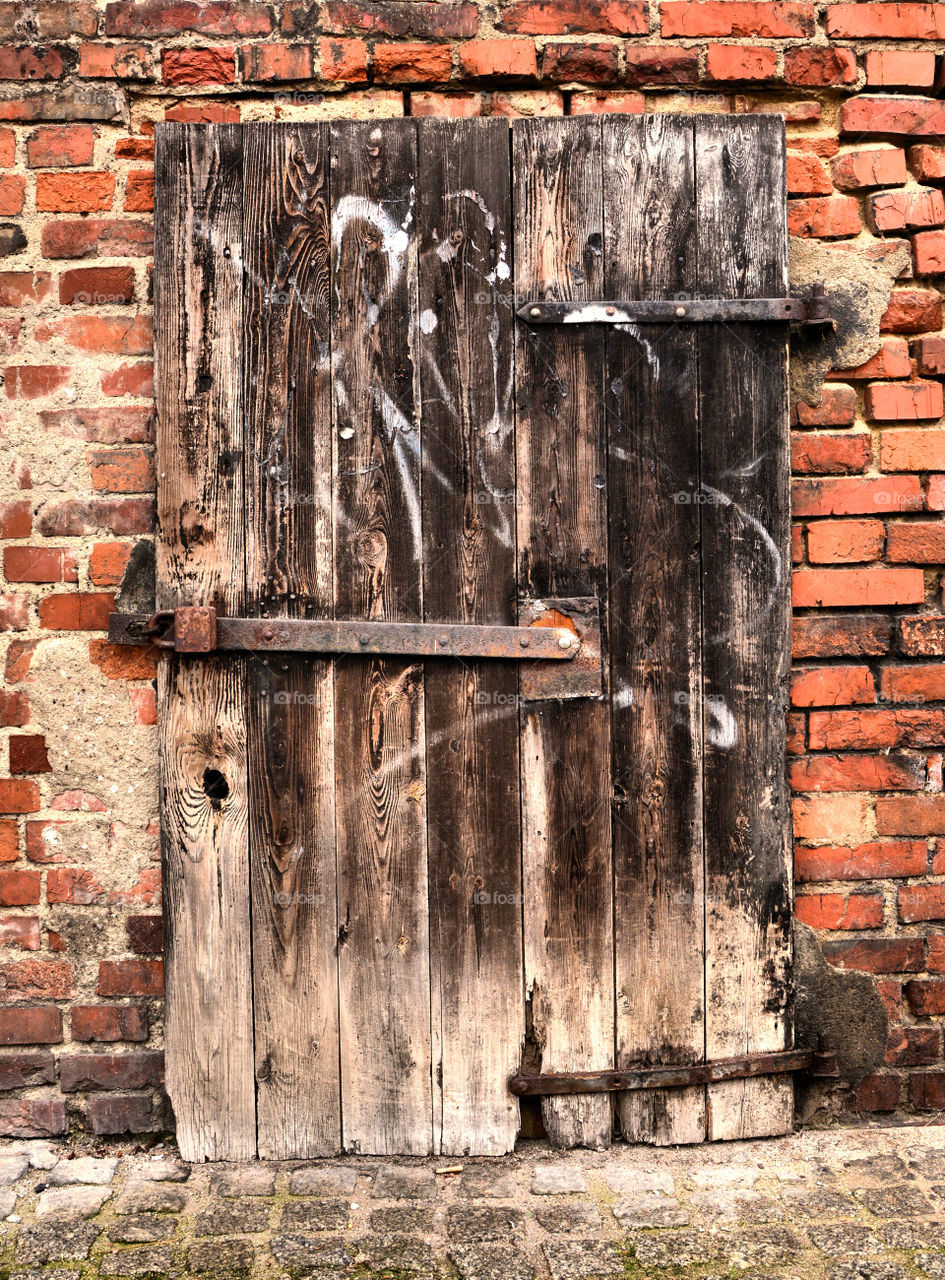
(655, 623)
(198, 289)
(287, 395)
(740, 189)
(384, 971)
(561, 470)
(464, 224)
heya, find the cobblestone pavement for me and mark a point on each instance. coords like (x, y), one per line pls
(845, 1204)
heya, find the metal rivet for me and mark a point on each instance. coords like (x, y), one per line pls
(564, 642)
(680, 311)
(611, 311)
(364, 639)
(524, 642)
(444, 640)
(535, 311)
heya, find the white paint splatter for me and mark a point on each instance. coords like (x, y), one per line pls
(428, 321)
(721, 731)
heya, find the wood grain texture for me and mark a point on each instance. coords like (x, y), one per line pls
(655, 623)
(468, 484)
(287, 394)
(561, 471)
(740, 186)
(204, 802)
(384, 971)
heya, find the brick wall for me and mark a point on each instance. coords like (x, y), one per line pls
(83, 84)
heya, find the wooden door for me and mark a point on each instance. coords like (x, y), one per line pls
(392, 883)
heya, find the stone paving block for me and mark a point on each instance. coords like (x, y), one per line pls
(250, 1180)
(64, 1239)
(468, 1224)
(7, 1202)
(301, 1254)
(582, 1260)
(913, 1235)
(333, 1180)
(650, 1209)
(927, 1162)
(868, 1269)
(44, 1275)
(40, 1153)
(817, 1202)
(676, 1248)
(146, 1197)
(404, 1182)
(933, 1264)
(491, 1262)
(225, 1257)
(894, 1202)
(85, 1169)
(12, 1168)
(839, 1238)
(736, 1205)
(137, 1262)
(765, 1244)
(558, 1179)
(166, 1169)
(561, 1218)
(315, 1215)
(232, 1219)
(627, 1181)
(410, 1220)
(876, 1169)
(84, 1201)
(486, 1184)
(710, 1177)
(142, 1228)
(393, 1253)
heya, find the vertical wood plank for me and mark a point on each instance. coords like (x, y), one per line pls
(384, 972)
(198, 296)
(466, 323)
(655, 643)
(561, 470)
(287, 400)
(740, 186)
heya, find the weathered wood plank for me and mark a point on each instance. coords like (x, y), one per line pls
(384, 973)
(287, 394)
(655, 623)
(466, 322)
(198, 290)
(740, 188)
(561, 516)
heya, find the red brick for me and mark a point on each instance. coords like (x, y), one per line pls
(111, 1113)
(816, 588)
(399, 18)
(856, 496)
(11, 194)
(268, 62)
(103, 426)
(28, 753)
(130, 978)
(832, 686)
(901, 401)
(927, 1090)
(41, 1024)
(889, 991)
(75, 517)
(198, 66)
(203, 112)
(877, 1093)
(925, 996)
(882, 727)
(839, 911)
(411, 63)
(106, 334)
(928, 251)
(40, 564)
(134, 149)
(823, 454)
(31, 381)
(343, 60)
(129, 380)
(116, 61)
(896, 117)
(819, 66)
(908, 208)
(17, 795)
(591, 63)
(144, 702)
(900, 68)
(890, 361)
(122, 470)
(807, 175)
(37, 978)
(9, 840)
(19, 888)
(19, 288)
(895, 21)
(869, 167)
(860, 772)
(936, 946)
(138, 1070)
(912, 311)
(922, 901)
(7, 148)
(879, 860)
(145, 934)
(660, 65)
(914, 1047)
(845, 635)
(875, 955)
(176, 17)
(74, 192)
(726, 63)
(107, 1023)
(927, 163)
(76, 611)
(30, 62)
(97, 286)
(916, 543)
(824, 217)
(16, 518)
(97, 238)
(935, 497)
(14, 707)
(122, 662)
(922, 637)
(913, 450)
(840, 818)
(844, 541)
(508, 57)
(74, 885)
(14, 612)
(107, 562)
(736, 18)
(584, 104)
(27, 1070)
(816, 144)
(574, 17)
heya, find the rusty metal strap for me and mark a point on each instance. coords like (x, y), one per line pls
(813, 311)
(820, 1062)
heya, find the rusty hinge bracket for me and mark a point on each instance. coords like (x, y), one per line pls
(820, 1063)
(810, 312)
(553, 636)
